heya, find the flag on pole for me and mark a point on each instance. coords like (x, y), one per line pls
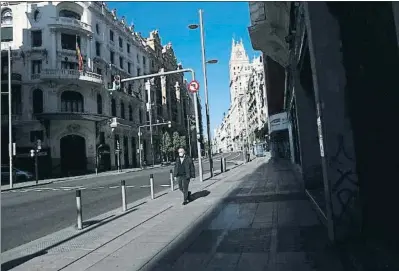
(79, 55)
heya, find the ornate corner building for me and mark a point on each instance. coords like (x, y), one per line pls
(332, 91)
(248, 107)
(70, 109)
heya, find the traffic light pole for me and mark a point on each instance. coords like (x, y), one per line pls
(117, 85)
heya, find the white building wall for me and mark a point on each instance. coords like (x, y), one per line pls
(54, 78)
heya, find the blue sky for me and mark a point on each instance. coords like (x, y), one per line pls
(222, 22)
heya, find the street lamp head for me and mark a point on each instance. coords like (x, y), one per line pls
(212, 61)
(32, 153)
(169, 124)
(193, 26)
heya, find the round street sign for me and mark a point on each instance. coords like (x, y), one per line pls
(193, 86)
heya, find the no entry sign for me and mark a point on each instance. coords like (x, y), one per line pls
(193, 86)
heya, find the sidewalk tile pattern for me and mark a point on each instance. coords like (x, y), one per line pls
(267, 223)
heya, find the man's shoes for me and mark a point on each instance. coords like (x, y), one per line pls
(185, 202)
(189, 196)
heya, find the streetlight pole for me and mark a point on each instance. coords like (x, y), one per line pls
(35, 154)
(149, 109)
(139, 134)
(10, 119)
(195, 104)
(189, 132)
(208, 129)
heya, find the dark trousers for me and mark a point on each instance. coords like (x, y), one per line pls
(183, 185)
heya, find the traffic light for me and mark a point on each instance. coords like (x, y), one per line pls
(117, 82)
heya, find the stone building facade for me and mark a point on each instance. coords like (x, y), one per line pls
(248, 107)
(335, 76)
(70, 110)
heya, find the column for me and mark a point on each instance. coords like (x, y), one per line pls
(54, 47)
(89, 48)
(334, 127)
(130, 151)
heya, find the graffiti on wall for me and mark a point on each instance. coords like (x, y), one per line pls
(345, 186)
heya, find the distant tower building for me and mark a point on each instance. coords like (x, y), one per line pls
(239, 62)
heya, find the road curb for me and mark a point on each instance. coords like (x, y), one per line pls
(27, 186)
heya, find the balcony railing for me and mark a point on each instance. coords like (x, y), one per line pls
(4, 118)
(70, 74)
(14, 77)
(71, 22)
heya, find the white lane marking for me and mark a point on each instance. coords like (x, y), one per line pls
(100, 187)
(144, 186)
(71, 187)
(166, 185)
(113, 187)
(66, 189)
(129, 186)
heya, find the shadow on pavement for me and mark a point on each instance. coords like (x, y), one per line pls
(89, 223)
(14, 263)
(160, 195)
(237, 236)
(87, 226)
(199, 194)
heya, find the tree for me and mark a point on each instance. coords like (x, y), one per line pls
(166, 145)
(183, 142)
(175, 143)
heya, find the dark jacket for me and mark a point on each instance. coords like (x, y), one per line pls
(188, 167)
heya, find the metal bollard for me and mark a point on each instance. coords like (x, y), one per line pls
(225, 164)
(79, 208)
(221, 165)
(152, 185)
(123, 186)
(172, 184)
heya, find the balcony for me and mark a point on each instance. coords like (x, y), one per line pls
(14, 118)
(71, 116)
(16, 78)
(69, 75)
(70, 24)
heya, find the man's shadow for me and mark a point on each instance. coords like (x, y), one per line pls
(199, 194)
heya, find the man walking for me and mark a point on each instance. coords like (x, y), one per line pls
(184, 171)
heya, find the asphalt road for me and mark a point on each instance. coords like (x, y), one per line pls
(31, 213)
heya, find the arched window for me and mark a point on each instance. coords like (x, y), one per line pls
(99, 104)
(69, 14)
(6, 17)
(122, 110)
(6, 25)
(113, 108)
(37, 100)
(130, 113)
(71, 101)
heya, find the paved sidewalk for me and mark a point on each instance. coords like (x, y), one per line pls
(104, 235)
(266, 223)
